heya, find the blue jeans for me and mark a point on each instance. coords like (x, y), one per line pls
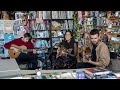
(30, 59)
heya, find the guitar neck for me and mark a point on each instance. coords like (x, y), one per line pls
(27, 50)
(30, 50)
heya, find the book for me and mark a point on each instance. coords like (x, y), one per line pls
(103, 76)
(96, 71)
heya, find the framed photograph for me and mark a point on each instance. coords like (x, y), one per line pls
(8, 26)
(8, 37)
(19, 16)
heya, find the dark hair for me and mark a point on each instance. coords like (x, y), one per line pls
(94, 31)
(66, 44)
(27, 35)
(70, 34)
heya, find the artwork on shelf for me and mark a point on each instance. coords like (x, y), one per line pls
(40, 34)
(1, 34)
(19, 16)
(18, 31)
(8, 37)
(1, 24)
(56, 41)
(41, 44)
(1, 50)
(8, 26)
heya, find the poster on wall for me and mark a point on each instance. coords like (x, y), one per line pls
(18, 29)
(19, 16)
(1, 51)
(8, 37)
(1, 34)
(1, 24)
(1, 29)
(8, 26)
(1, 48)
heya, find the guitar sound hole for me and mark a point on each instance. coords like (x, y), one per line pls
(14, 53)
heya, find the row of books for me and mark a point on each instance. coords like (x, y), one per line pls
(88, 21)
(66, 24)
(62, 14)
(99, 73)
(42, 44)
(34, 25)
(55, 14)
(56, 41)
(58, 33)
(40, 34)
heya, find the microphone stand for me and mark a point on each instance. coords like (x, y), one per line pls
(47, 56)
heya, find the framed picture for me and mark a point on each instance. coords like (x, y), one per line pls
(8, 26)
(19, 16)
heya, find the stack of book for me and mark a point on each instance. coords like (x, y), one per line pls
(99, 73)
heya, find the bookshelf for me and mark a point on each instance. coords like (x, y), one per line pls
(110, 26)
(61, 21)
(6, 35)
(50, 26)
(108, 23)
(53, 27)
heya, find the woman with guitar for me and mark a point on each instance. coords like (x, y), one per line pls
(23, 43)
(69, 44)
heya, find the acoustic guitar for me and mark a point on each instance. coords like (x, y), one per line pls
(21, 49)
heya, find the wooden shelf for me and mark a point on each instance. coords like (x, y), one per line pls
(101, 26)
(1, 39)
(58, 37)
(31, 19)
(116, 26)
(106, 26)
(58, 19)
(87, 16)
(62, 30)
(114, 42)
(39, 30)
(113, 33)
(40, 38)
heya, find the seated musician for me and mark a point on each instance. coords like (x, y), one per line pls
(30, 57)
(70, 59)
(100, 56)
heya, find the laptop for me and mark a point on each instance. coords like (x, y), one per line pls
(9, 68)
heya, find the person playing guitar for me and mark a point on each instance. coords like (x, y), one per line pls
(22, 43)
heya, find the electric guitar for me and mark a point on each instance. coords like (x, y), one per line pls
(21, 49)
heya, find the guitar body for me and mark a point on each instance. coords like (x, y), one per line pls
(14, 54)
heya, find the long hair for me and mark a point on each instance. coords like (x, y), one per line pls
(71, 44)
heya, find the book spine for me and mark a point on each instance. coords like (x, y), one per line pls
(101, 73)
